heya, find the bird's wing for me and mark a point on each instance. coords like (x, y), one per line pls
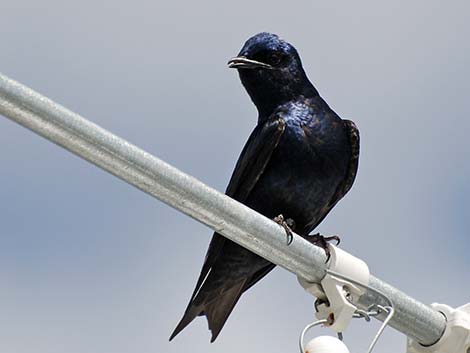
(250, 166)
(343, 188)
(348, 180)
(254, 158)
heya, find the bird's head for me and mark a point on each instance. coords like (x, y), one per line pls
(271, 71)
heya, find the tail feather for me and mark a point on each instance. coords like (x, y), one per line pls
(189, 315)
(216, 309)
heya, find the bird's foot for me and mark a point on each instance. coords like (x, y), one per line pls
(323, 242)
(288, 225)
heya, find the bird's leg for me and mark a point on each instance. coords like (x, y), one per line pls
(288, 225)
(322, 241)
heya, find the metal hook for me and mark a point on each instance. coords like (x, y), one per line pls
(388, 309)
(308, 327)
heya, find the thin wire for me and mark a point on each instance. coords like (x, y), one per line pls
(363, 314)
(391, 312)
(304, 331)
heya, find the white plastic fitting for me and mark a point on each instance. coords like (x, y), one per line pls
(456, 337)
(326, 344)
(339, 294)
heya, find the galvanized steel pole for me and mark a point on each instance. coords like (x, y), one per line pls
(190, 196)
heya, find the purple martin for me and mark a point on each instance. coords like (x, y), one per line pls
(299, 161)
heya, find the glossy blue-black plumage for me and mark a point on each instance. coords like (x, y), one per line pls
(300, 160)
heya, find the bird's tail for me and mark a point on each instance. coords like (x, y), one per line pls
(216, 308)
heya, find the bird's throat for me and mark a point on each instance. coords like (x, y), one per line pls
(269, 96)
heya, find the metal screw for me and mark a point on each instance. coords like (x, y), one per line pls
(349, 297)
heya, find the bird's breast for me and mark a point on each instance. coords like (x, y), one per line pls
(302, 174)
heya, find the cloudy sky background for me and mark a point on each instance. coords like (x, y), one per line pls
(89, 264)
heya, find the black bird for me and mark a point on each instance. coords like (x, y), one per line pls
(299, 161)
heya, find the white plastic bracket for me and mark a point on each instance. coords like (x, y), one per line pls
(456, 337)
(339, 295)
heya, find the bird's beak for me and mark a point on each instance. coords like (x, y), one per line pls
(241, 62)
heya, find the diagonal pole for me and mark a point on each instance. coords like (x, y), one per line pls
(195, 199)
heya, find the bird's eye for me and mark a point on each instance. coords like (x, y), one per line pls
(274, 58)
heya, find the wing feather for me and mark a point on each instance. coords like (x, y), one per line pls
(345, 186)
(250, 166)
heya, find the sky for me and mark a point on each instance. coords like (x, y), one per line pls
(90, 264)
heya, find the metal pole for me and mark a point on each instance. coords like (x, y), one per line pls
(190, 196)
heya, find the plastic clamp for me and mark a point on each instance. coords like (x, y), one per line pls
(337, 296)
(456, 337)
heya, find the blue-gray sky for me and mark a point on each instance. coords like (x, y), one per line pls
(89, 264)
